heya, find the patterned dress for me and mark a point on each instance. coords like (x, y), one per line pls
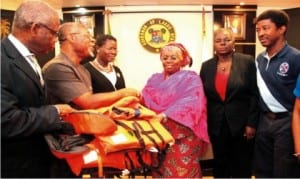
(182, 159)
(181, 98)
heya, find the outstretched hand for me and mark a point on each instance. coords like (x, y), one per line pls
(64, 109)
(130, 92)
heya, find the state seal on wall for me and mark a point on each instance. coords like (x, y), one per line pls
(156, 33)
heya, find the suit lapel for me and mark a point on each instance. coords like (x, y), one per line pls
(21, 63)
(212, 77)
(230, 84)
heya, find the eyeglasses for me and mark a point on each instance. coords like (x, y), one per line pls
(53, 32)
(86, 35)
(62, 37)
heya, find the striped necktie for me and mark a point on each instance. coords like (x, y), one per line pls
(37, 68)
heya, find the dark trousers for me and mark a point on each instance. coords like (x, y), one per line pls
(60, 169)
(24, 158)
(232, 155)
(24, 167)
(274, 148)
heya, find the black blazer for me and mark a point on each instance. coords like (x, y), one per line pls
(240, 107)
(100, 83)
(23, 120)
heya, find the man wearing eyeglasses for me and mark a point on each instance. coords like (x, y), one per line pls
(67, 81)
(25, 115)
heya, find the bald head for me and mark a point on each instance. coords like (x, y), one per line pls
(34, 12)
(76, 41)
(70, 28)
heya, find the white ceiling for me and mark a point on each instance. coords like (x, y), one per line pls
(266, 3)
(12, 4)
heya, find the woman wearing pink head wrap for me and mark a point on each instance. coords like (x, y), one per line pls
(177, 96)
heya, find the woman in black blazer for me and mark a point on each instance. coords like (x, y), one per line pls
(229, 81)
(106, 77)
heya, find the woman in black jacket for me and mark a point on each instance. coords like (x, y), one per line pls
(229, 80)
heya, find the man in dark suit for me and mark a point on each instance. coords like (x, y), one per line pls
(25, 117)
(229, 81)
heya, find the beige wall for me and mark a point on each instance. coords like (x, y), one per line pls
(137, 63)
(13, 4)
(9, 4)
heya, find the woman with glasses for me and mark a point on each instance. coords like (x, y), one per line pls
(229, 80)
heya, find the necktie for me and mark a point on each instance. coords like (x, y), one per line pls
(37, 68)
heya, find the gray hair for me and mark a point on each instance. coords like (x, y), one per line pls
(33, 11)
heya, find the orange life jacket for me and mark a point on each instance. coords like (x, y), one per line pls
(127, 136)
(91, 122)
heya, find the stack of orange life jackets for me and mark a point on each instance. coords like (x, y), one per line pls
(126, 136)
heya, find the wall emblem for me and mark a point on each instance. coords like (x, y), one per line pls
(155, 34)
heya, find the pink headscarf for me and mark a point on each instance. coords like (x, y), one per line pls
(186, 58)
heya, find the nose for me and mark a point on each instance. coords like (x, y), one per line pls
(222, 42)
(260, 32)
(92, 40)
(169, 60)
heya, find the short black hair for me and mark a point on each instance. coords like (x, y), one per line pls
(103, 38)
(278, 17)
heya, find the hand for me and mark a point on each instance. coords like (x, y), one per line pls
(297, 155)
(64, 109)
(130, 92)
(129, 101)
(66, 128)
(249, 132)
(161, 117)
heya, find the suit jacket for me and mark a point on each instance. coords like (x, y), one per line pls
(100, 83)
(240, 107)
(24, 119)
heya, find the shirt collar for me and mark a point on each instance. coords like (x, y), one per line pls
(280, 52)
(20, 47)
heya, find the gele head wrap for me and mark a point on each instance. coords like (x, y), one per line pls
(186, 58)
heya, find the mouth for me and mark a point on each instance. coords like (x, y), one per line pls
(223, 50)
(168, 66)
(262, 40)
(111, 57)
